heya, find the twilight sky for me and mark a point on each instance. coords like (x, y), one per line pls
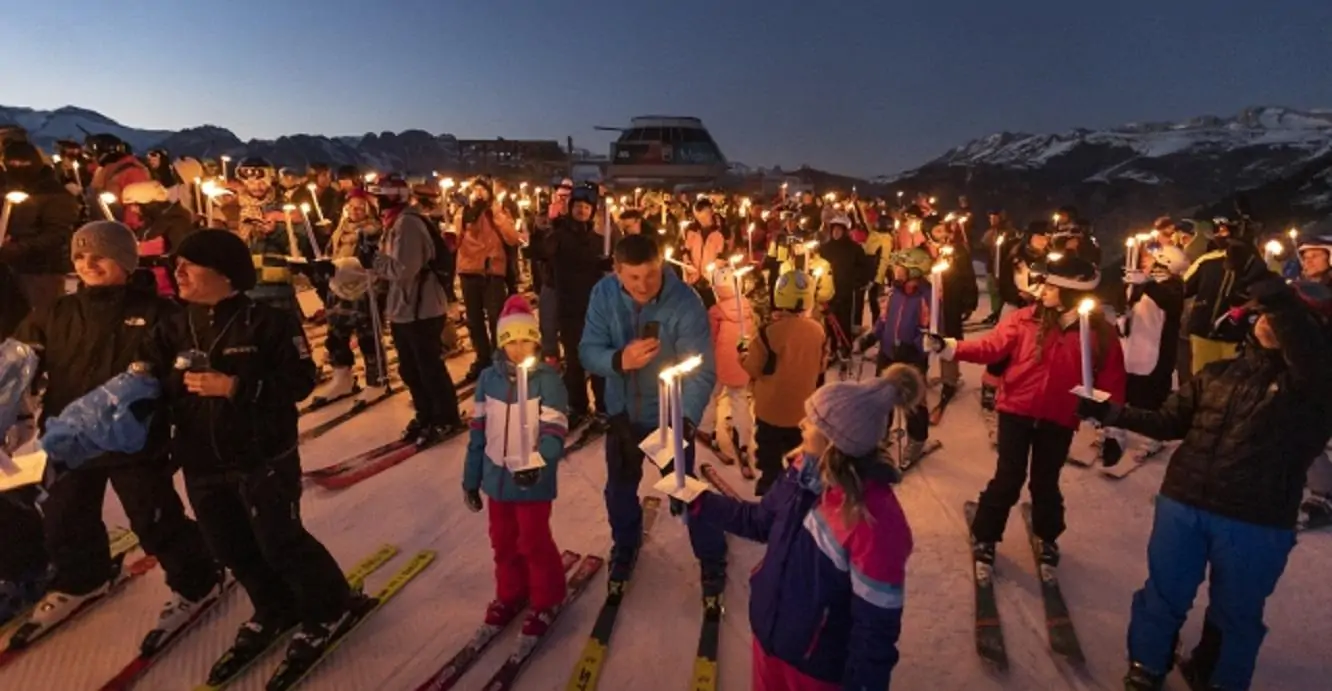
(856, 86)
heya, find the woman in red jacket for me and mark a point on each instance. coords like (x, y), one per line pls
(1037, 409)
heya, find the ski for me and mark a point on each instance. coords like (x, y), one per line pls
(709, 638)
(1131, 462)
(357, 408)
(989, 631)
(585, 435)
(714, 478)
(507, 674)
(230, 667)
(588, 670)
(122, 540)
(360, 458)
(20, 642)
(372, 466)
(288, 674)
(462, 661)
(322, 403)
(1058, 624)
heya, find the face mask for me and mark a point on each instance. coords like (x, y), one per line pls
(811, 478)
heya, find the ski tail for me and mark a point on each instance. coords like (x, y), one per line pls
(1058, 621)
(715, 479)
(989, 630)
(709, 638)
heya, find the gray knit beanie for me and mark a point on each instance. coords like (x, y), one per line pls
(109, 239)
(854, 415)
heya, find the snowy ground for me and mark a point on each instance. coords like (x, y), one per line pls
(418, 506)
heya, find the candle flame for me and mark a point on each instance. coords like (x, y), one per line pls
(711, 267)
(999, 239)
(55, 158)
(1054, 256)
(669, 251)
(751, 229)
(812, 244)
(933, 201)
(765, 214)
(742, 271)
(818, 272)
(522, 185)
(305, 208)
(20, 197)
(736, 259)
(310, 187)
(226, 158)
(197, 181)
(1086, 306)
(527, 362)
(1293, 233)
(107, 197)
(939, 267)
(682, 368)
(371, 177)
(447, 183)
(946, 250)
(1130, 242)
(1273, 248)
(949, 218)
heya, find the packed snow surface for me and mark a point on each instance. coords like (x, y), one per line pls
(418, 505)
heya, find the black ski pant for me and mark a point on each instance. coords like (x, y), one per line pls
(77, 541)
(23, 548)
(918, 419)
(421, 366)
(771, 444)
(839, 312)
(252, 522)
(483, 298)
(575, 377)
(347, 317)
(1023, 441)
(875, 292)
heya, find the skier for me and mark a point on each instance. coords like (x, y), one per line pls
(347, 303)
(727, 315)
(822, 288)
(246, 365)
(527, 562)
(84, 340)
(826, 601)
(899, 333)
(850, 269)
(879, 247)
(543, 279)
(620, 344)
(1217, 282)
(484, 228)
(164, 225)
(1316, 511)
(1149, 332)
(1037, 409)
(257, 217)
(1250, 427)
(946, 242)
(1001, 231)
(115, 169)
(705, 241)
(39, 228)
(416, 309)
(785, 363)
(573, 251)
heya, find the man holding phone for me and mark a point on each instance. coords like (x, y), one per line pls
(641, 320)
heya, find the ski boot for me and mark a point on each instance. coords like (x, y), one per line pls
(1049, 552)
(500, 613)
(341, 385)
(576, 419)
(311, 641)
(915, 449)
(177, 612)
(746, 463)
(622, 560)
(252, 639)
(537, 622)
(371, 393)
(1316, 512)
(982, 552)
(17, 597)
(53, 609)
(1139, 678)
(413, 430)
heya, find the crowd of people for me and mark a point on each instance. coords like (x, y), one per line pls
(194, 269)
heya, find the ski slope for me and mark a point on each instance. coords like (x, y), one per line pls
(418, 505)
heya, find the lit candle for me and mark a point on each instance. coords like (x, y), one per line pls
(1130, 245)
(936, 290)
(676, 384)
(998, 252)
(225, 160)
(309, 231)
(11, 200)
(606, 236)
(1272, 250)
(78, 180)
(295, 247)
(198, 195)
(314, 199)
(749, 237)
(105, 200)
(663, 406)
(526, 445)
(1084, 336)
(1294, 235)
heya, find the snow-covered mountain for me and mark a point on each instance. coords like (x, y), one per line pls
(1277, 158)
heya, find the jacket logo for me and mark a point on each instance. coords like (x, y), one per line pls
(136, 321)
(240, 350)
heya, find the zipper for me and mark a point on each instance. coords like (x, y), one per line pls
(1227, 280)
(818, 633)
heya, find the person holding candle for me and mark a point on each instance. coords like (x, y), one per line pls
(35, 241)
(528, 571)
(165, 224)
(850, 270)
(1227, 509)
(1036, 406)
(640, 320)
(1217, 282)
(1000, 232)
(573, 251)
(732, 321)
(484, 229)
(114, 167)
(806, 259)
(899, 332)
(256, 215)
(826, 601)
(705, 242)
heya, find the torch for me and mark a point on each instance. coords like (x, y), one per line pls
(11, 200)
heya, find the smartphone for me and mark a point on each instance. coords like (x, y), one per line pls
(652, 330)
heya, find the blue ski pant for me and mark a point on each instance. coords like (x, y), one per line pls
(1245, 561)
(624, 465)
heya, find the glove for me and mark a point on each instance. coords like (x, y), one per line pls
(934, 343)
(1097, 411)
(1136, 278)
(472, 498)
(527, 478)
(742, 347)
(321, 270)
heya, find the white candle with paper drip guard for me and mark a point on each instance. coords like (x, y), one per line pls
(294, 251)
(225, 160)
(309, 231)
(526, 457)
(739, 299)
(1088, 388)
(936, 290)
(11, 200)
(104, 202)
(1131, 254)
(749, 238)
(314, 199)
(678, 485)
(606, 230)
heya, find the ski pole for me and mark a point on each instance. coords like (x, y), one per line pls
(382, 365)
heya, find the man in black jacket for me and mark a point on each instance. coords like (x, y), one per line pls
(1217, 282)
(851, 271)
(1250, 427)
(243, 369)
(574, 252)
(83, 341)
(37, 244)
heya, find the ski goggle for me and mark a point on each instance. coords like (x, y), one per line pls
(254, 173)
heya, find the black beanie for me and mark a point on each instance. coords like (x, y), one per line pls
(223, 252)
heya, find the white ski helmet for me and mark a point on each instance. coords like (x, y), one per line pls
(1323, 242)
(1171, 257)
(350, 280)
(147, 192)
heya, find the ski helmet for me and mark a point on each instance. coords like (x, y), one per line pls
(840, 219)
(1170, 257)
(1076, 278)
(791, 291)
(1323, 242)
(916, 261)
(255, 168)
(390, 190)
(105, 146)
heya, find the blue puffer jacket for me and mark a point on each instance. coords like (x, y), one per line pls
(613, 320)
(827, 598)
(495, 430)
(908, 312)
